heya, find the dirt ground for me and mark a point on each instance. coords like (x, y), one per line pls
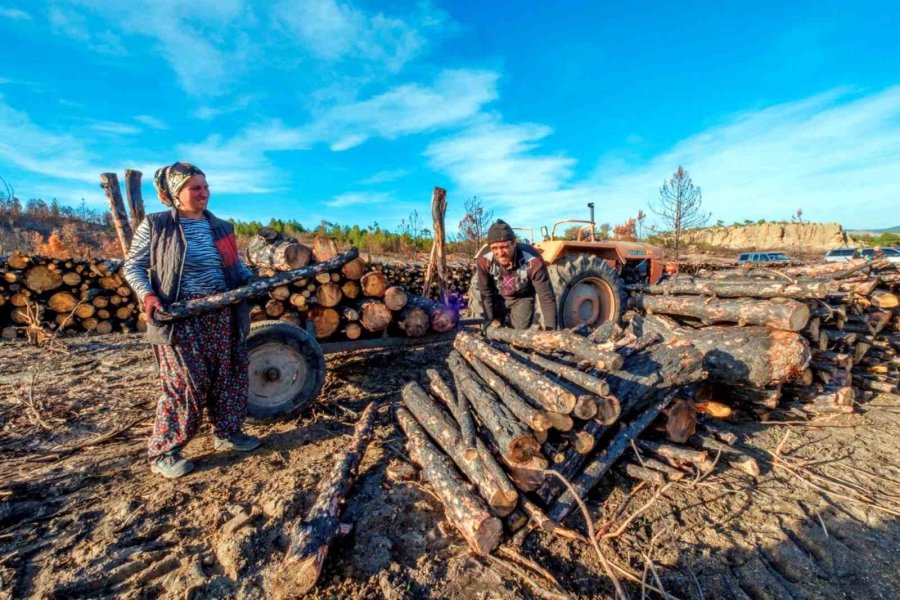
(81, 515)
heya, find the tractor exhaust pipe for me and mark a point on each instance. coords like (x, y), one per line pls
(591, 206)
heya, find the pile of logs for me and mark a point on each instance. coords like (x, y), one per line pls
(821, 336)
(354, 302)
(411, 276)
(72, 294)
(524, 407)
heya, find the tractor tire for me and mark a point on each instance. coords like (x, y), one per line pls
(287, 369)
(588, 291)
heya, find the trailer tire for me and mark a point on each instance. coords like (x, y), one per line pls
(588, 291)
(286, 370)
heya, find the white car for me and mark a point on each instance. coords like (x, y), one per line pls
(889, 253)
(840, 254)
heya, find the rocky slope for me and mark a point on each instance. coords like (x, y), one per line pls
(773, 236)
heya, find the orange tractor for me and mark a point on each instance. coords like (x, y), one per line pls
(588, 274)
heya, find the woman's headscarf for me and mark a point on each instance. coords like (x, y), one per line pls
(169, 181)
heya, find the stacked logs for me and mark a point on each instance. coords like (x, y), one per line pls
(354, 302)
(69, 294)
(523, 406)
(411, 276)
(821, 336)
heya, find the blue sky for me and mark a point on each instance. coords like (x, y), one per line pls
(353, 111)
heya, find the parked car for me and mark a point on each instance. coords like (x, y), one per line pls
(762, 257)
(889, 253)
(840, 254)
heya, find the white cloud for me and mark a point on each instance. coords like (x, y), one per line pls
(14, 14)
(151, 122)
(385, 176)
(836, 155)
(358, 199)
(115, 128)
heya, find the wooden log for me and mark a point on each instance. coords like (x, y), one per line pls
(778, 313)
(103, 327)
(298, 301)
(829, 270)
(597, 468)
(767, 397)
(324, 250)
(681, 420)
(513, 439)
(571, 374)
(525, 412)
(353, 331)
(310, 538)
(444, 431)
(750, 288)
(282, 293)
(557, 341)
(443, 318)
(329, 295)
(413, 321)
(754, 356)
(373, 284)
(350, 289)
(679, 454)
(325, 320)
(669, 471)
(355, 269)
(41, 278)
(529, 475)
(270, 249)
(560, 421)
(395, 297)
(636, 471)
(549, 394)
(571, 463)
(17, 261)
(110, 184)
(608, 410)
(189, 308)
(62, 302)
(374, 315)
(884, 299)
(459, 408)
(275, 308)
(134, 196)
(585, 407)
(438, 263)
(465, 510)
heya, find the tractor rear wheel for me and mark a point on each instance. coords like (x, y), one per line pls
(287, 369)
(588, 291)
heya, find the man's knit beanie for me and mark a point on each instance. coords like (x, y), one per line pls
(500, 231)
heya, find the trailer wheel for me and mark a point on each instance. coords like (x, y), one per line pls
(588, 291)
(287, 369)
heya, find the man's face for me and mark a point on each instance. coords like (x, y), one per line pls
(504, 251)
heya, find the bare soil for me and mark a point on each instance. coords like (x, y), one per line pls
(81, 515)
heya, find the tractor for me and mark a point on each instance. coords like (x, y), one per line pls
(589, 275)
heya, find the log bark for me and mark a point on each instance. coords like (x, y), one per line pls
(110, 184)
(557, 341)
(778, 313)
(753, 356)
(636, 471)
(310, 538)
(550, 395)
(679, 454)
(681, 420)
(739, 288)
(767, 397)
(277, 252)
(597, 468)
(571, 464)
(444, 431)
(189, 308)
(583, 380)
(443, 318)
(438, 263)
(134, 196)
(458, 406)
(513, 439)
(466, 511)
(374, 315)
(534, 418)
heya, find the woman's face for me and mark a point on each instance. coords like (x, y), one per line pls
(194, 196)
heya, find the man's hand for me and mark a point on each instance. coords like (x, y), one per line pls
(151, 303)
(485, 325)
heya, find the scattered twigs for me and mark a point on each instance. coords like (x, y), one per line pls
(646, 506)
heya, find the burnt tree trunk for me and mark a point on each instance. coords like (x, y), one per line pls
(557, 341)
(733, 288)
(464, 509)
(443, 317)
(134, 197)
(309, 540)
(778, 313)
(458, 406)
(534, 418)
(110, 184)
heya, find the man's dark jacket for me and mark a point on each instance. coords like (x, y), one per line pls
(528, 277)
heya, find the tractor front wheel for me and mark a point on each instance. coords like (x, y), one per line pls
(588, 291)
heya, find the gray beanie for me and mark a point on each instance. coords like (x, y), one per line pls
(500, 231)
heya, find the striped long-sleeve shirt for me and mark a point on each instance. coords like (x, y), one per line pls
(202, 273)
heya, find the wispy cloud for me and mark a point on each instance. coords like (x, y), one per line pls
(115, 128)
(14, 14)
(151, 122)
(834, 154)
(385, 176)
(358, 199)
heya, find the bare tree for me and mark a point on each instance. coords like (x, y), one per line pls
(474, 225)
(680, 206)
(797, 217)
(639, 225)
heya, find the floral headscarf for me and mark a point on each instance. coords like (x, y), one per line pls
(169, 181)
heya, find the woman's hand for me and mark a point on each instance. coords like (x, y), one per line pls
(151, 303)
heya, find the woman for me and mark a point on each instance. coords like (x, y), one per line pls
(181, 254)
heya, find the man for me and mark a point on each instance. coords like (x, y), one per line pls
(509, 276)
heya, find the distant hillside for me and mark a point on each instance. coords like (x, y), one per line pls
(894, 229)
(773, 236)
